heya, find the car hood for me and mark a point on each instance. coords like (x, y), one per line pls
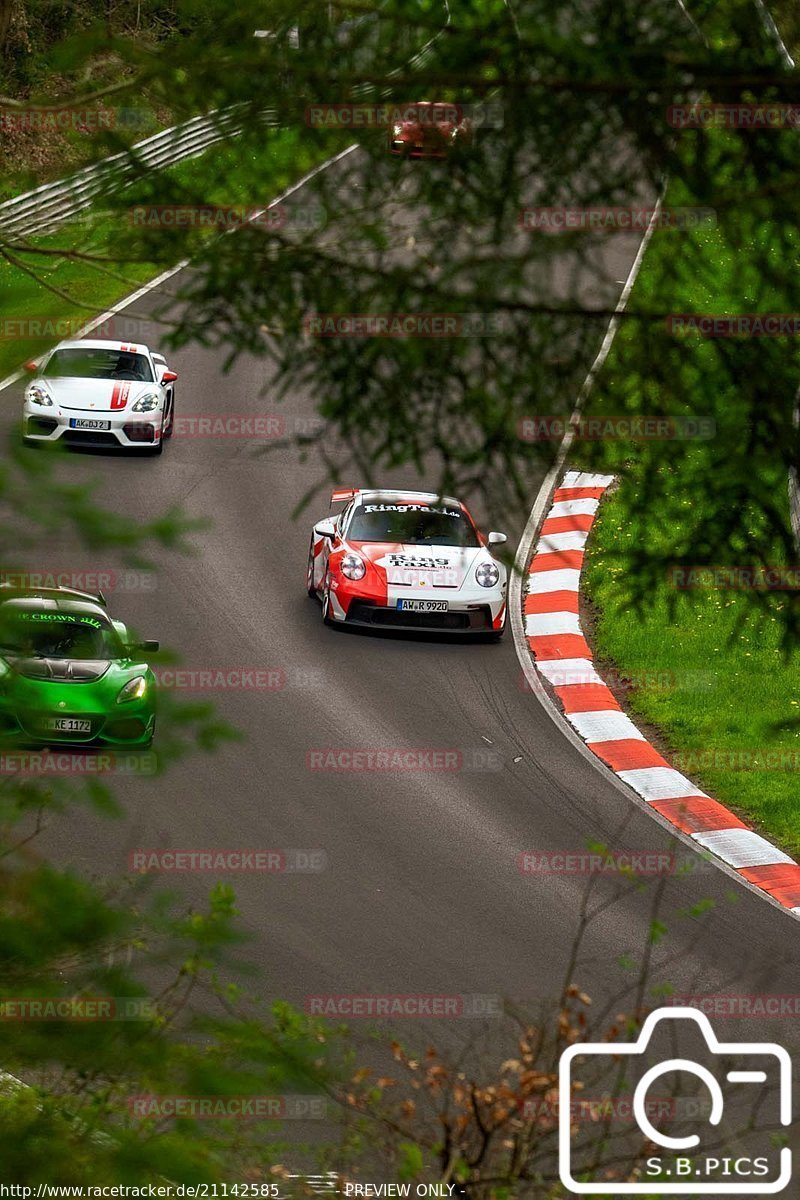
(433, 566)
(60, 670)
(99, 395)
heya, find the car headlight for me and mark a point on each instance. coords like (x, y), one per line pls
(146, 403)
(397, 130)
(487, 574)
(37, 394)
(353, 567)
(134, 689)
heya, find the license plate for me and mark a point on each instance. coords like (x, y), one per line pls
(68, 725)
(88, 423)
(422, 605)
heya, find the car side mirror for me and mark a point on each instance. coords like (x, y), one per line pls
(148, 647)
(169, 376)
(30, 365)
(496, 539)
(325, 528)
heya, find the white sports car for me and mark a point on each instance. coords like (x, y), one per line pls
(101, 393)
(407, 560)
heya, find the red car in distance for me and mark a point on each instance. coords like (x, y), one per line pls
(428, 129)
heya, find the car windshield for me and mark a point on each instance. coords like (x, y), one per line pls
(415, 524)
(98, 363)
(31, 633)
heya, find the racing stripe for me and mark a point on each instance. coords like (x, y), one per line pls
(119, 396)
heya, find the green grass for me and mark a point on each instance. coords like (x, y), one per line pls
(718, 692)
(234, 173)
(714, 674)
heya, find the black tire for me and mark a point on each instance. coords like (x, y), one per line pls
(312, 591)
(166, 431)
(326, 600)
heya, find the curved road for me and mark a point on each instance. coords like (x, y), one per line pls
(421, 893)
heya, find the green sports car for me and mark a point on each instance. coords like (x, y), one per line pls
(69, 674)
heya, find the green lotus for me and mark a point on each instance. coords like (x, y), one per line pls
(69, 674)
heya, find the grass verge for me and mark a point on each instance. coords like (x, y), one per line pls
(709, 664)
(83, 268)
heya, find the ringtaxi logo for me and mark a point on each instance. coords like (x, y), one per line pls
(680, 1165)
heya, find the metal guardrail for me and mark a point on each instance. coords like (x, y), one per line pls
(48, 206)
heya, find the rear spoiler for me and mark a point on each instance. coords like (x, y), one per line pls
(339, 495)
(8, 590)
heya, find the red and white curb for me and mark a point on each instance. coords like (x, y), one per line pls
(562, 657)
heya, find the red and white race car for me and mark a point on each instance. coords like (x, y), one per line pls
(101, 393)
(407, 560)
(429, 130)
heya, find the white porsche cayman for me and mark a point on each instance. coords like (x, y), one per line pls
(101, 393)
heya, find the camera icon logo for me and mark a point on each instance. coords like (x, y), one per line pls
(684, 1175)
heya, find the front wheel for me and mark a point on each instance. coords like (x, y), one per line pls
(169, 424)
(326, 604)
(312, 591)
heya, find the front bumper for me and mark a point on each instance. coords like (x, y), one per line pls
(128, 430)
(132, 727)
(474, 618)
(406, 149)
(470, 608)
